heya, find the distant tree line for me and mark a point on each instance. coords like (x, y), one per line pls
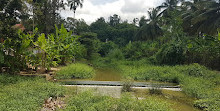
(176, 32)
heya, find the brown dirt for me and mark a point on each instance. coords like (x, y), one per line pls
(53, 104)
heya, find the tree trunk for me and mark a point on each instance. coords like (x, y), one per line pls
(63, 59)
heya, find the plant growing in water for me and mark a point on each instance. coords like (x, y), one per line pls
(155, 91)
(127, 84)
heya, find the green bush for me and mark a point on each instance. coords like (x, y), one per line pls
(126, 85)
(78, 70)
(106, 47)
(90, 102)
(139, 50)
(156, 91)
(28, 94)
(115, 54)
(171, 54)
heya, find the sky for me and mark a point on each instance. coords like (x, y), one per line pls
(126, 9)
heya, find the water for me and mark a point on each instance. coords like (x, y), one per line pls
(107, 75)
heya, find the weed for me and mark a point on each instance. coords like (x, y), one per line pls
(156, 91)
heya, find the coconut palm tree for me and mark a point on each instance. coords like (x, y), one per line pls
(203, 16)
(167, 6)
(74, 4)
(151, 29)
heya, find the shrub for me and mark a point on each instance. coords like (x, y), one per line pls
(126, 86)
(78, 70)
(115, 54)
(171, 54)
(138, 50)
(156, 91)
(106, 47)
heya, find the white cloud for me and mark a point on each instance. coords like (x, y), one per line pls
(98, 2)
(127, 9)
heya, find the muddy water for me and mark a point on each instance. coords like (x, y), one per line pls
(107, 75)
(179, 101)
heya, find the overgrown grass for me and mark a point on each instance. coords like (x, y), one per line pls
(87, 101)
(6, 79)
(196, 80)
(26, 94)
(78, 70)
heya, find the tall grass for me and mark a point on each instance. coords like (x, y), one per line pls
(78, 70)
(26, 94)
(90, 102)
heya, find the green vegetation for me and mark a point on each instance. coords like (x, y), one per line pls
(126, 86)
(195, 80)
(178, 43)
(155, 91)
(24, 94)
(90, 102)
(75, 71)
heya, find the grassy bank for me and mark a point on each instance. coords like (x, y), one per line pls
(196, 81)
(75, 71)
(25, 94)
(90, 102)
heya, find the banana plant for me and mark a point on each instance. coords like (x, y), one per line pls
(66, 44)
